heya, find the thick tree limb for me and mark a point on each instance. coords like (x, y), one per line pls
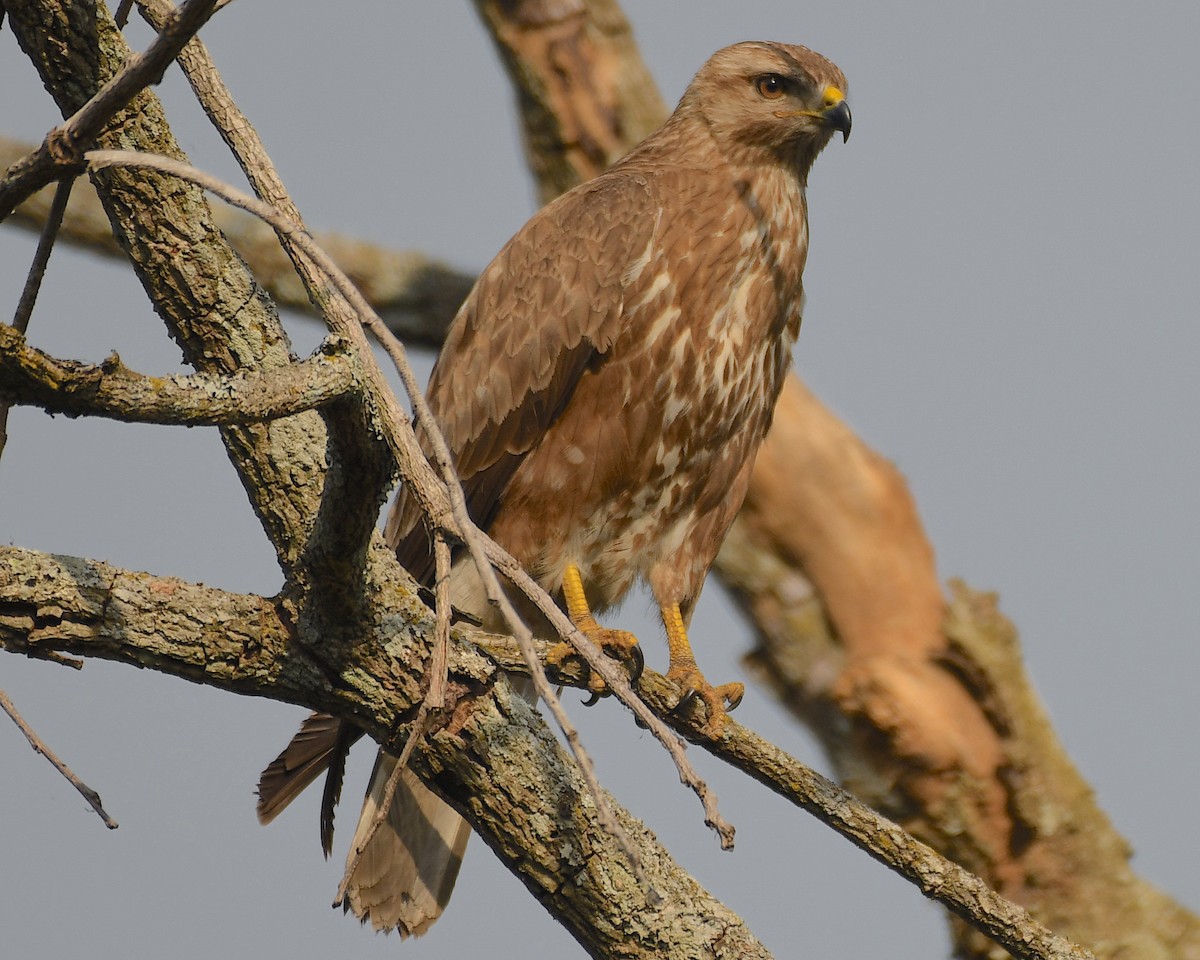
(30, 377)
(317, 272)
(924, 708)
(490, 754)
(583, 93)
(209, 301)
(326, 619)
(443, 503)
(241, 643)
(940, 879)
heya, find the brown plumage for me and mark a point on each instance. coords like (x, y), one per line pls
(604, 390)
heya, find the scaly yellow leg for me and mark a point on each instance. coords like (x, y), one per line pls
(577, 605)
(684, 672)
(618, 643)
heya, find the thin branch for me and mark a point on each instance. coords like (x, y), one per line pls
(121, 17)
(435, 699)
(33, 282)
(61, 151)
(474, 540)
(240, 643)
(415, 294)
(30, 377)
(88, 794)
(41, 257)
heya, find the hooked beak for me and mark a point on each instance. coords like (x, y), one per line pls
(837, 116)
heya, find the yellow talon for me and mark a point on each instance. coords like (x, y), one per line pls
(687, 676)
(618, 643)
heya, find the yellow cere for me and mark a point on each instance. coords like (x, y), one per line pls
(833, 96)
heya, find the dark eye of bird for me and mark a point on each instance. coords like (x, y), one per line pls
(770, 86)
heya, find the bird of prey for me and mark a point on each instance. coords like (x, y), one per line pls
(604, 390)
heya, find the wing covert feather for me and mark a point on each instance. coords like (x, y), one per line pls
(546, 308)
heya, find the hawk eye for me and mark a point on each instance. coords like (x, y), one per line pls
(770, 86)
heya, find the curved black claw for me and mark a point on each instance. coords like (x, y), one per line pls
(638, 659)
(585, 674)
(593, 699)
(685, 701)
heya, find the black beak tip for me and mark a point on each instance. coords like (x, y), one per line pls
(838, 117)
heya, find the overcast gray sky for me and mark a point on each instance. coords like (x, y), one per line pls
(1001, 298)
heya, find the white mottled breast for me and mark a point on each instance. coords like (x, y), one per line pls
(716, 337)
(650, 449)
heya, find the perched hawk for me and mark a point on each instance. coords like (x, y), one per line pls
(604, 390)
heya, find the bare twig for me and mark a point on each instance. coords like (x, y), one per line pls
(62, 150)
(33, 282)
(435, 696)
(479, 551)
(112, 390)
(41, 257)
(121, 17)
(450, 515)
(88, 794)
(551, 838)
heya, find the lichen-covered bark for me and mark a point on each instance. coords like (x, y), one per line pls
(110, 389)
(490, 754)
(197, 283)
(924, 707)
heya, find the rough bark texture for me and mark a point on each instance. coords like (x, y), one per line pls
(209, 301)
(490, 753)
(583, 93)
(924, 707)
(112, 390)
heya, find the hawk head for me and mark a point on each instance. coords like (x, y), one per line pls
(770, 102)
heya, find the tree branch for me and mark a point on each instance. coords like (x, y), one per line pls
(30, 377)
(490, 753)
(181, 629)
(584, 95)
(62, 150)
(88, 794)
(443, 502)
(415, 295)
(958, 671)
(924, 708)
(940, 879)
